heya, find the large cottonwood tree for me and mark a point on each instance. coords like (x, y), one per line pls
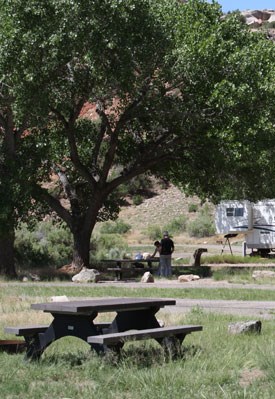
(174, 90)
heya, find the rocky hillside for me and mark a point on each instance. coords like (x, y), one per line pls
(257, 18)
(160, 210)
(168, 205)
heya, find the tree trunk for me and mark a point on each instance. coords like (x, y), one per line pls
(81, 250)
(7, 265)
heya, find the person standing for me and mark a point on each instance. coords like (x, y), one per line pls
(165, 258)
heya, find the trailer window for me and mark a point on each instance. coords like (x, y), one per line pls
(229, 211)
(234, 211)
(238, 211)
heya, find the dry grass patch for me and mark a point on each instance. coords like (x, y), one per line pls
(249, 376)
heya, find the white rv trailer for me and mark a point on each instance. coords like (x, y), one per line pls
(255, 220)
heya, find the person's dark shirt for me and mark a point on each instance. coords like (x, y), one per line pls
(167, 246)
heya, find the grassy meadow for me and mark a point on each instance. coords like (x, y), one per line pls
(213, 364)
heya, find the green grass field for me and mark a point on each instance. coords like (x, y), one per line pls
(214, 364)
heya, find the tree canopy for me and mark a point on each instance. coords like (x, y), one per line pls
(109, 90)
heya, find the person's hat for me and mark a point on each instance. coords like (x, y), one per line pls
(165, 234)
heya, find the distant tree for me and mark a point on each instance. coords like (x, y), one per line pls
(176, 91)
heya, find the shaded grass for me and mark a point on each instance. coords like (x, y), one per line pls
(210, 366)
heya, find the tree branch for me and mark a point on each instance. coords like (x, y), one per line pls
(140, 167)
(53, 204)
(69, 130)
(120, 124)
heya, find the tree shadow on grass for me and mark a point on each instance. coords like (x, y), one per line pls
(145, 356)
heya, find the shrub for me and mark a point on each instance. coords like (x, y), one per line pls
(46, 244)
(154, 232)
(203, 226)
(177, 225)
(137, 199)
(117, 227)
(110, 246)
(192, 208)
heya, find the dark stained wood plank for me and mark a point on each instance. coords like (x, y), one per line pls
(26, 330)
(103, 305)
(143, 334)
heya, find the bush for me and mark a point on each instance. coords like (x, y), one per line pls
(137, 199)
(117, 227)
(154, 232)
(203, 226)
(177, 225)
(192, 208)
(46, 244)
(110, 246)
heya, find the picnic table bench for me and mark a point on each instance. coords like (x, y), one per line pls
(121, 266)
(135, 319)
(176, 335)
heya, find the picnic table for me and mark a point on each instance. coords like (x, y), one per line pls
(135, 319)
(119, 266)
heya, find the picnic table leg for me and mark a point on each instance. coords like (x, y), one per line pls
(150, 265)
(119, 273)
(80, 326)
(33, 351)
(172, 345)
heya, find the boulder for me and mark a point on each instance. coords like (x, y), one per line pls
(263, 274)
(147, 278)
(185, 278)
(254, 22)
(86, 276)
(245, 327)
(263, 15)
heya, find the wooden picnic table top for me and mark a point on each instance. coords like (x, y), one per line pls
(102, 305)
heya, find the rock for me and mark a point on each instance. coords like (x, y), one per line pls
(25, 279)
(254, 22)
(185, 278)
(60, 298)
(262, 15)
(245, 326)
(147, 278)
(86, 276)
(263, 274)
